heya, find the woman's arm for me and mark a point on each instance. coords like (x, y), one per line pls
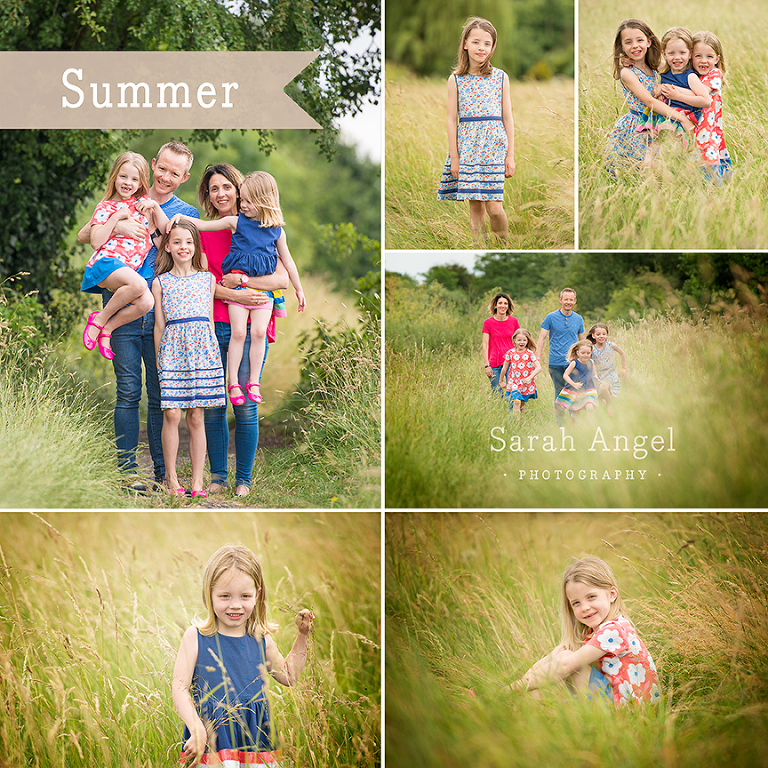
(293, 272)
(157, 292)
(509, 127)
(182, 699)
(287, 670)
(631, 80)
(486, 347)
(452, 125)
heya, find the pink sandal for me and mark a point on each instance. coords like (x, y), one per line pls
(236, 399)
(105, 351)
(88, 342)
(257, 398)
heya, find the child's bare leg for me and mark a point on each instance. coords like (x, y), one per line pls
(196, 426)
(477, 221)
(499, 222)
(517, 408)
(259, 322)
(580, 679)
(238, 324)
(170, 440)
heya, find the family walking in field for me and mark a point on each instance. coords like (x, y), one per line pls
(672, 86)
(179, 295)
(581, 366)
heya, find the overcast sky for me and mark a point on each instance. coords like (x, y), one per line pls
(416, 263)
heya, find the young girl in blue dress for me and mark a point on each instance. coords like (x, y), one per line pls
(481, 132)
(220, 677)
(258, 241)
(188, 358)
(580, 377)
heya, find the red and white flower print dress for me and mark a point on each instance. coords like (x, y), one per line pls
(521, 365)
(131, 252)
(626, 662)
(709, 136)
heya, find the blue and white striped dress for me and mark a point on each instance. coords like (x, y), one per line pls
(189, 362)
(481, 140)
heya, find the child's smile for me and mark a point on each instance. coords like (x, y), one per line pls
(479, 45)
(677, 55)
(590, 605)
(127, 181)
(704, 58)
(234, 598)
(634, 44)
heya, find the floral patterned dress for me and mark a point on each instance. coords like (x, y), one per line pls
(626, 147)
(710, 140)
(606, 367)
(189, 362)
(521, 366)
(626, 662)
(481, 140)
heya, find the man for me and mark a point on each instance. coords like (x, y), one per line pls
(564, 328)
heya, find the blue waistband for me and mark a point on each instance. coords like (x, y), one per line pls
(476, 119)
(188, 320)
(636, 113)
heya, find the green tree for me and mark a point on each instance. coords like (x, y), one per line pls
(524, 276)
(451, 276)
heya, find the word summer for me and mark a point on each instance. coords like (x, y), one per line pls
(133, 95)
(599, 442)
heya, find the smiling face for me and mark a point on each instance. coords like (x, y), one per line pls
(590, 605)
(181, 246)
(704, 58)
(127, 181)
(223, 194)
(634, 44)
(169, 171)
(567, 302)
(600, 335)
(502, 306)
(520, 341)
(584, 353)
(479, 46)
(677, 55)
(234, 599)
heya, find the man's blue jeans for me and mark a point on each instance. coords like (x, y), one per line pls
(246, 420)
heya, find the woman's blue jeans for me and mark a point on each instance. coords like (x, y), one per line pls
(496, 384)
(246, 420)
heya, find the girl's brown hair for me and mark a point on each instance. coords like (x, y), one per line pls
(495, 301)
(235, 557)
(714, 43)
(676, 33)
(593, 572)
(260, 188)
(141, 165)
(591, 334)
(164, 260)
(226, 170)
(652, 55)
(475, 22)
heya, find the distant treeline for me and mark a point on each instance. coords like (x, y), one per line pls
(535, 37)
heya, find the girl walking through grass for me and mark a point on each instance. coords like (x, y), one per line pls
(580, 377)
(220, 676)
(605, 366)
(600, 652)
(481, 132)
(188, 359)
(523, 367)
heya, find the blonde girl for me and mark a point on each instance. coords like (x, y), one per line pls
(188, 358)
(600, 650)
(605, 366)
(258, 241)
(481, 132)
(628, 149)
(580, 377)
(117, 257)
(523, 367)
(219, 680)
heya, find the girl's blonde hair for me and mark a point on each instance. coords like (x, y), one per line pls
(530, 343)
(164, 260)
(714, 43)
(238, 558)
(260, 188)
(676, 33)
(141, 165)
(652, 55)
(475, 22)
(575, 348)
(592, 572)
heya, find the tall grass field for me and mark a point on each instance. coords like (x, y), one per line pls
(538, 199)
(674, 207)
(689, 427)
(93, 607)
(473, 600)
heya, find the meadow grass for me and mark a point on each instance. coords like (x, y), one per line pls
(538, 199)
(94, 606)
(473, 600)
(693, 384)
(674, 207)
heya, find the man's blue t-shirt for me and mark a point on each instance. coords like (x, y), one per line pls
(564, 332)
(170, 209)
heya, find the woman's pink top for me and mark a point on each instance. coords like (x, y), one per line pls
(500, 333)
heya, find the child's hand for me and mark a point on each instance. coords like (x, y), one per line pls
(578, 385)
(622, 372)
(625, 62)
(455, 167)
(146, 204)
(305, 621)
(172, 222)
(194, 749)
(657, 91)
(509, 166)
(302, 300)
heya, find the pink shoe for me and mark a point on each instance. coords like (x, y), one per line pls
(177, 492)
(236, 399)
(257, 398)
(203, 494)
(88, 342)
(105, 351)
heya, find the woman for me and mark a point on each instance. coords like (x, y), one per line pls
(498, 332)
(219, 196)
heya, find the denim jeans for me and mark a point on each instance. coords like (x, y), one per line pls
(556, 374)
(133, 343)
(246, 420)
(496, 384)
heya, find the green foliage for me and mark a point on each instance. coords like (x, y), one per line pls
(450, 276)
(524, 276)
(535, 37)
(344, 252)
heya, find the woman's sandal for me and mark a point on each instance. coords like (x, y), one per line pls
(105, 351)
(257, 398)
(88, 342)
(236, 399)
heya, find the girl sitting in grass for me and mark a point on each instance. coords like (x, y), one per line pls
(600, 651)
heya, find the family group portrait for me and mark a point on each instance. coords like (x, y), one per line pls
(479, 125)
(193, 316)
(575, 380)
(671, 110)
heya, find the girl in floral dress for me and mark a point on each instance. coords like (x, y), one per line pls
(523, 367)
(627, 149)
(188, 359)
(600, 652)
(602, 356)
(481, 132)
